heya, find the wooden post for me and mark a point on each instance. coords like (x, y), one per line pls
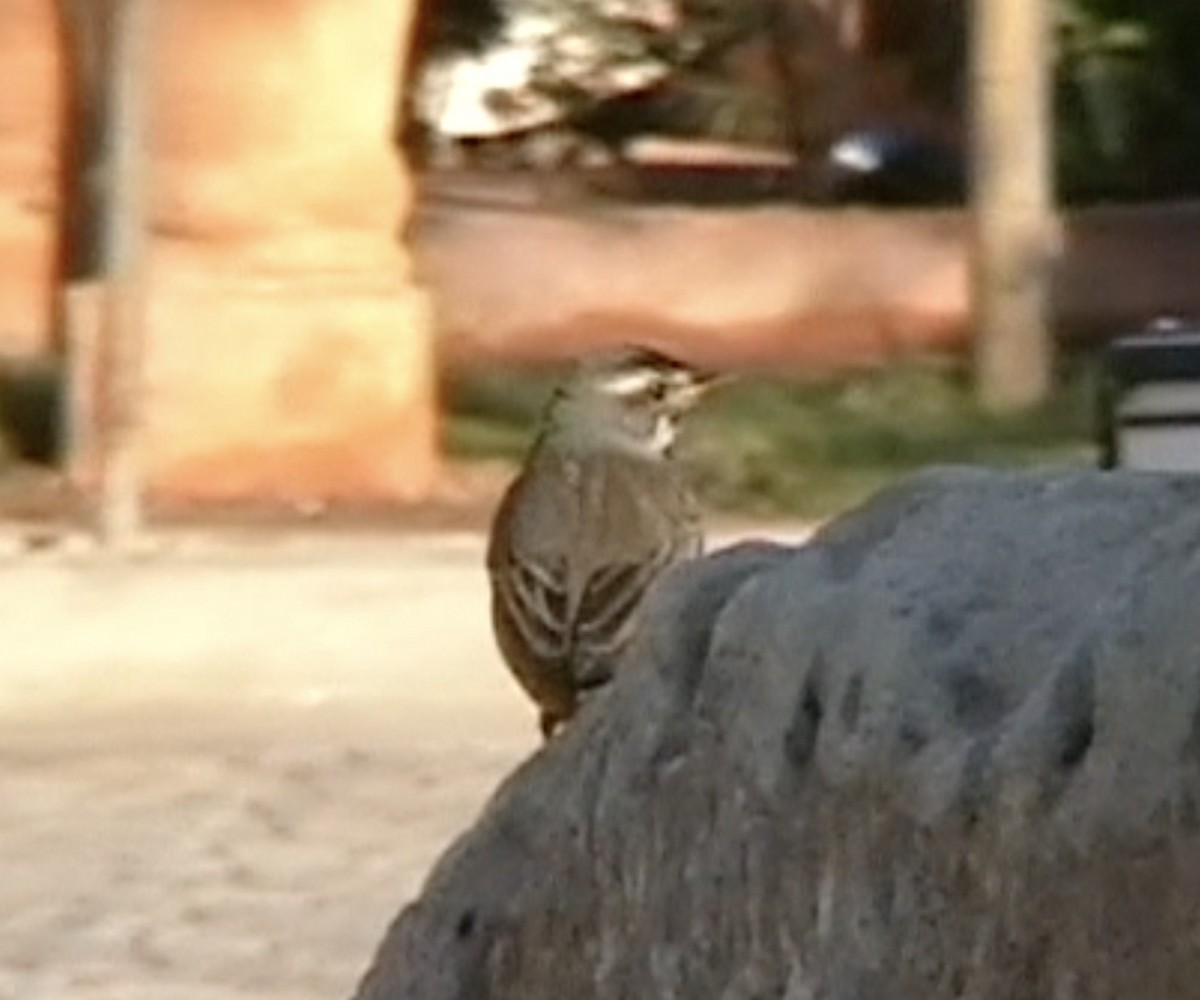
(1013, 223)
(123, 266)
(84, 40)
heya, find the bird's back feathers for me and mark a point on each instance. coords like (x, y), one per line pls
(580, 547)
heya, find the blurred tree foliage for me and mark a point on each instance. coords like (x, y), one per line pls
(440, 27)
(1129, 125)
(455, 25)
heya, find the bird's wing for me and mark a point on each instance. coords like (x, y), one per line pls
(528, 565)
(605, 613)
(533, 596)
(639, 522)
(568, 585)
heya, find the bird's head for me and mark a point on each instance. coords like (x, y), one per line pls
(631, 399)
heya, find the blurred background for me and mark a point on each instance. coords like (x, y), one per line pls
(783, 187)
(309, 259)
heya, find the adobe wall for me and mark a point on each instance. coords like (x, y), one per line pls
(28, 139)
(770, 286)
(289, 353)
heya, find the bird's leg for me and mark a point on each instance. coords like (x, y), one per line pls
(548, 721)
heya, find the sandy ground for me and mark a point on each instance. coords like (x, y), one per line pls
(226, 765)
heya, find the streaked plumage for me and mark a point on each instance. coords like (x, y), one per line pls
(599, 511)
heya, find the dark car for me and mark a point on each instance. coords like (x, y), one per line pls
(894, 165)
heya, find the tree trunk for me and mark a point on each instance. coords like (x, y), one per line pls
(1013, 210)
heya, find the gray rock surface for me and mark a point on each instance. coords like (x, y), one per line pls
(950, 748)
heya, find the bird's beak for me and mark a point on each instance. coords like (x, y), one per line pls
(697, 385)
(704, 382)
(710, 380)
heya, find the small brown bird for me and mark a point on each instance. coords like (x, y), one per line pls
(599, 511)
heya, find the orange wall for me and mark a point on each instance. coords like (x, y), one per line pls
(288, 348)
(28, 139)
(291, 353)
(770, 286)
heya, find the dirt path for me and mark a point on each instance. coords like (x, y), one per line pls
(202, 852)
(225, 767)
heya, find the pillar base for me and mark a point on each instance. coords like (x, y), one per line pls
(288, 390)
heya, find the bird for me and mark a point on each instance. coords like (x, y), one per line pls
(599, 511)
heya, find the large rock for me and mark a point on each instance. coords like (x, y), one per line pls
(951, 748)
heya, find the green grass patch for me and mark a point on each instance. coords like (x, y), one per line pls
(811, 447)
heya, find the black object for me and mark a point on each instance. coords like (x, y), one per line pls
(894, 165)
(1149, 399)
